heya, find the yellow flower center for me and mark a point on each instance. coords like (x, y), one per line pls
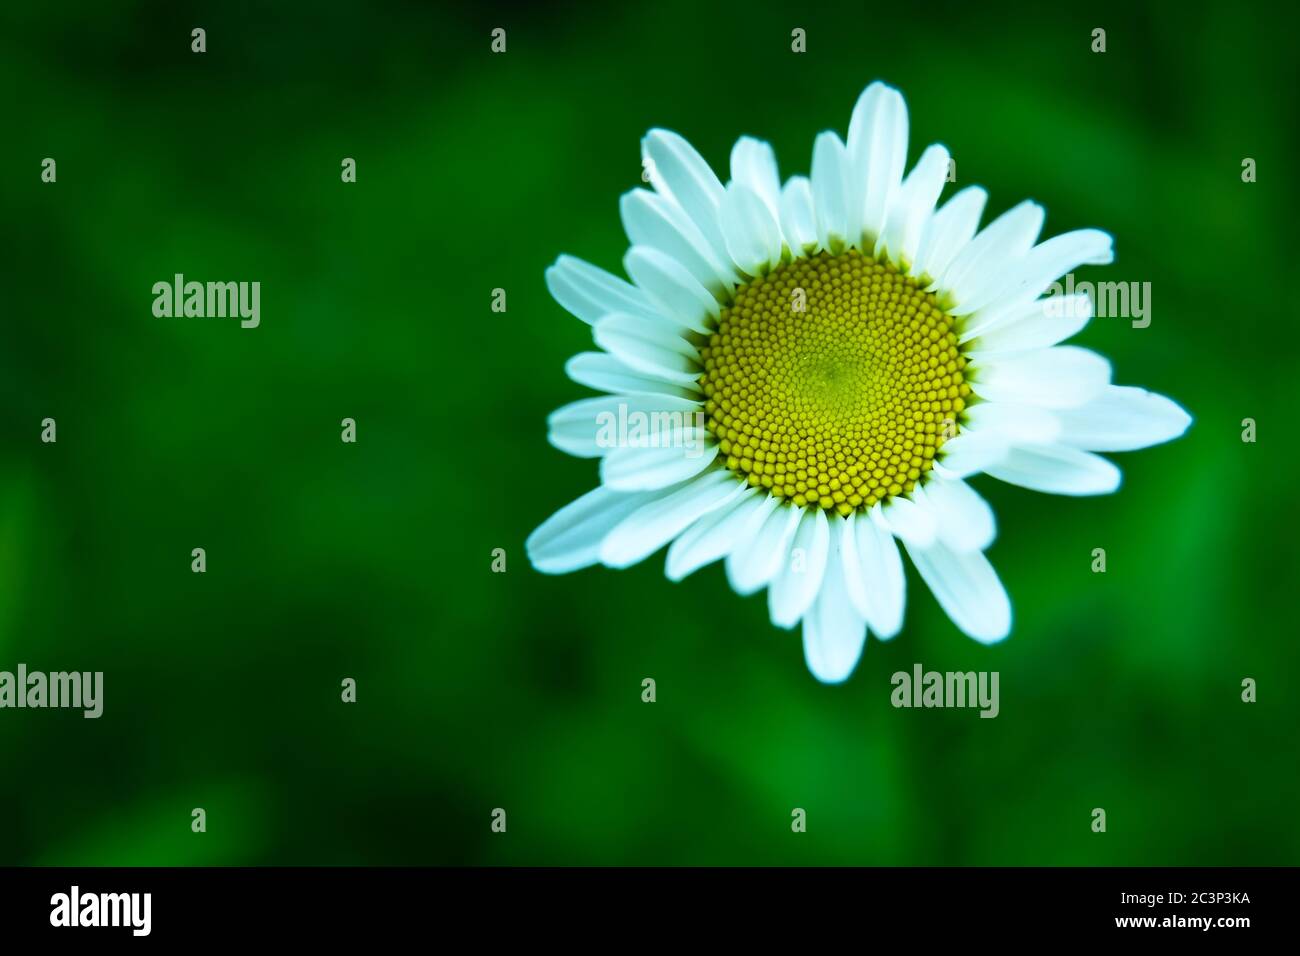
(832, 381)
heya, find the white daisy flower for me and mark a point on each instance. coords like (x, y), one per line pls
(836, 356)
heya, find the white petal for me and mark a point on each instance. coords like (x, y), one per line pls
(714, 536)
(909, 521)
(753, 164)
(654, 524)
(756, 560)
(834, 633)
(913, 205)
(967, 588)
(678, 296)
(644, 469)
(1123, 418)
(829, 182)
(602, 371)
(948, 232)
(747, 531)
(798, 217)
(1045, 263)
(987, 257)
(659, 223)
(877, 148)
(591, 427)
(1035, 325)
(1060, 255)
(964, 520)
(677, 170)
(590, 292)
(972, 452)
(796, 584)
(1063, 376)
(996, 315)
(651, 346)
(873, 572)
(752, 234)
(1010, 424)
(1058, 470)
(570, 539)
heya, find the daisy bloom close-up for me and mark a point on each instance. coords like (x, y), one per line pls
(836, 355)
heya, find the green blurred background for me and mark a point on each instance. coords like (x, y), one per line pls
(480, 690)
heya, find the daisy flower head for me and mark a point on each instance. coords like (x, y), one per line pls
(800, 377)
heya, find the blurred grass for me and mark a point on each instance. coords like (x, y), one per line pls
(372, 560)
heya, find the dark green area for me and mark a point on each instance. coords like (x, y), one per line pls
(481, 690)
